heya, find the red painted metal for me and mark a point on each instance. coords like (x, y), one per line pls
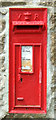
(27, 90)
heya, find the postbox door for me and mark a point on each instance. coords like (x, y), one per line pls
(27, 79)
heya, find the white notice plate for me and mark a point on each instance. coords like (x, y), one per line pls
(26, 60)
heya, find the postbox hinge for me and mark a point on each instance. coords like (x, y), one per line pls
(40, 76)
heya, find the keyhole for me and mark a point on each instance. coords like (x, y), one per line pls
(21, 79)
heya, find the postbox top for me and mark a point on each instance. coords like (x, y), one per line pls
(28, 15)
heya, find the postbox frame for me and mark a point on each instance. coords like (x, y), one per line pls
(13, 110)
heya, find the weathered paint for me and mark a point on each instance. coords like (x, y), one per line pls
(40, 43)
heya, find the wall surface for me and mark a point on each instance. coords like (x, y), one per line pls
(4, 55)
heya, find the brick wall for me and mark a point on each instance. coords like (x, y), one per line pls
(4, 55)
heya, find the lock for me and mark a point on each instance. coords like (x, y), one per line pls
(21, 79)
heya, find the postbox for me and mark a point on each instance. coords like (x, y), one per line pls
(27, 60)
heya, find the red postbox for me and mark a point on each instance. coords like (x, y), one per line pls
(27, 60)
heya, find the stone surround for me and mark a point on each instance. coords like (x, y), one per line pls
(4, 56)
